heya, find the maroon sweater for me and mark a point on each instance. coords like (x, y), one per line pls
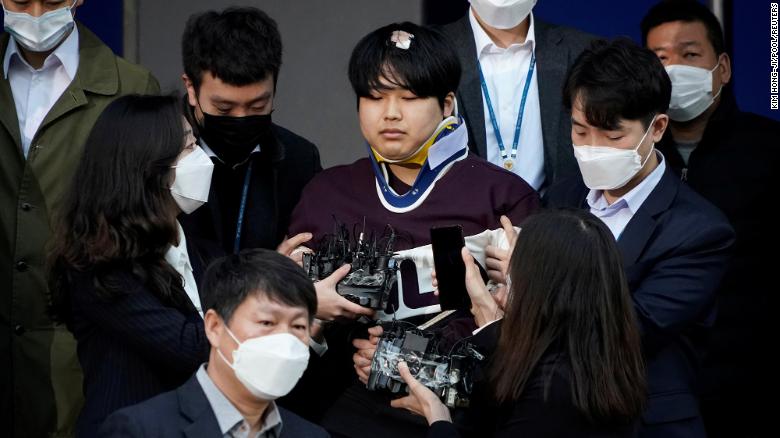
(473, 194)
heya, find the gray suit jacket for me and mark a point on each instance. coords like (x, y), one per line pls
(557, 48)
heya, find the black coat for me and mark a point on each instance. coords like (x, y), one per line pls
(186, 412)
(734, 167)
(557, 47)
(134, 346)
(545, 409)
(675, 250)
(279, 172)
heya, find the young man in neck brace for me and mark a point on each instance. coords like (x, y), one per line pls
(730, 157)
(418, 174)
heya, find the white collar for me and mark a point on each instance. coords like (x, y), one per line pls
(483, 41)
(66, 54)
(636, 196)
(177, 255)
(211, 153)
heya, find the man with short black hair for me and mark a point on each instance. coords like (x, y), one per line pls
(259, 307)
(231, 66)
(729, 157)
(675, 244)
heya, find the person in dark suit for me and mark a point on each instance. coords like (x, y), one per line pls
(498, 44)
(124, 275)
(675, 244)
(231, 65)
(566, 358)
(729, 157)
(260, 306)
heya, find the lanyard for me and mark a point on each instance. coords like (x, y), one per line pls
(242, 208)
(494, 121)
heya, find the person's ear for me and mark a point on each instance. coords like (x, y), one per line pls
(659, 126)
(214, 327)
(449, 105)
(724, 69)
(192, 95)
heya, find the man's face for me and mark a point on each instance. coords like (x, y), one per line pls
(686, 43)
(218, 98)
(257, 316)
(36, 8)
(626, 135)
(396, 122)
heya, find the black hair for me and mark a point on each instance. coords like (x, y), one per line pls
(428, 68)
(688, 11)
(230, 280)
(584, 309)
(617, 80)
(119, 215)
(240, 46)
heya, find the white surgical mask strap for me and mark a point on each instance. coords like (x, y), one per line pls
(219, 351)
(643, 140)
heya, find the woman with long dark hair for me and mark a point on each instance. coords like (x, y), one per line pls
(123, 274)
(567, 361)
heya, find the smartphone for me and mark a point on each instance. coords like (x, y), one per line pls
(447, 243)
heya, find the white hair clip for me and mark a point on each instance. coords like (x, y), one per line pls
(402, 39)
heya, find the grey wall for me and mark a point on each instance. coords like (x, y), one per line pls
(314, 98)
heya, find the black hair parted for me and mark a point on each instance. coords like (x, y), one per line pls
(428, 68)
(232, 279)
(240, 46)
(615, 80)
(688, 11)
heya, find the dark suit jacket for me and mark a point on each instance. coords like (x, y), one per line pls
(557, 48)
(675, 251)
(186, 412)
(734, 166)
(279, 173)
(134, 347)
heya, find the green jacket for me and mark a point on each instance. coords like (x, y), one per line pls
(40, 377)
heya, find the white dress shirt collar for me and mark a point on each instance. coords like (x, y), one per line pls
(66, 54)
(485, 44)
(179, 259)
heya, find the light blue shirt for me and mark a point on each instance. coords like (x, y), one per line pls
(617, 215)
(231, 422)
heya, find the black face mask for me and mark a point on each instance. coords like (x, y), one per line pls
(234, 138)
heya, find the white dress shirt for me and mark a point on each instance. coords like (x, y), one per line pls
(177, 257)
(36, 91)
(505, 72)
(617, 215)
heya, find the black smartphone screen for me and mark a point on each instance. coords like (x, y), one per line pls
(447, 243)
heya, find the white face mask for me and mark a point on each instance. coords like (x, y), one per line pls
(39, 34)
(691, 91)
(192, 181)
(502, 14)
(269, 366)
(608, 168)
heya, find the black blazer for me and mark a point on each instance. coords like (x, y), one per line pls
(546, 408)
(734, 166)
(557, 47)
(279, 173)
(134, 347)
(186, 412)
(675, 250)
